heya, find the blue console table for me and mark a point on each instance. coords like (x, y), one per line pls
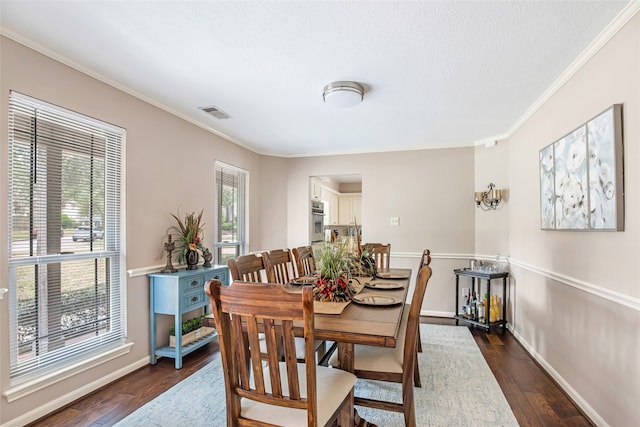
(176, 294)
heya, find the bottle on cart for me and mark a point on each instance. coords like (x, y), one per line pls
(474, 306)
(481, 311)
(494, 314)
(465, 307)
(485, 300)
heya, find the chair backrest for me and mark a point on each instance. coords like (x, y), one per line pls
(248, 268)
(305, 262)
(280, 266)
(241, 311)
(380, 254)
(413, 322)
(425, 259)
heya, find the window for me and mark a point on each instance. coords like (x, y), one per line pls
(66, 301)
(230, 183)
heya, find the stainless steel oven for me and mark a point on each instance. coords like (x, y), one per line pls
(317, 221)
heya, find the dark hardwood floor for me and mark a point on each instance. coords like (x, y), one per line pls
(533, 396)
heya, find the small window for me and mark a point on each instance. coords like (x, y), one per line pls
(230, 184)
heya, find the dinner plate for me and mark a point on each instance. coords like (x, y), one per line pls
(391, 275)
(303, 281)
(374, 299)
(384, 285)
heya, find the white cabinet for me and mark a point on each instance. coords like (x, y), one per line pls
(330, 199)
(315, 189)
(350, 210)
(331, 209)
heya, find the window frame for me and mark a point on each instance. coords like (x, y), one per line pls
(241, 243)
(57, 364)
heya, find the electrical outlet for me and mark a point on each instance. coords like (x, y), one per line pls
(394, 220)
(465, 292)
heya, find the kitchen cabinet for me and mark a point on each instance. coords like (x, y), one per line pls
(330, 199)
(350, 209)
(315, 189)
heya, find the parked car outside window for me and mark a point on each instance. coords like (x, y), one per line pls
(83, 233)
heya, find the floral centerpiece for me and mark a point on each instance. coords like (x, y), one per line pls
(362, 263)
(334, 283)
(188, 241)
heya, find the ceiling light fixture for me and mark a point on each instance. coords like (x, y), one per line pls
(343, 94)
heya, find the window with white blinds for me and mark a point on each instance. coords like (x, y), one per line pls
(66, 295)
(230, 183)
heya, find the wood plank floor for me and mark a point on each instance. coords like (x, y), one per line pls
(533, 396)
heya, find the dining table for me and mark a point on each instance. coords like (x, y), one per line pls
(364, 323)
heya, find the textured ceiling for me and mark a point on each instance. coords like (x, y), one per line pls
(436, 73)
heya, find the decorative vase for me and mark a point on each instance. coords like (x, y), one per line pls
(191, 258)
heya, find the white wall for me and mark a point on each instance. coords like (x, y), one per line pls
(169, 167)
(431, 191)
(576, 295)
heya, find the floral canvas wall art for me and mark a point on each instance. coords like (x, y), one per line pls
(581, 177)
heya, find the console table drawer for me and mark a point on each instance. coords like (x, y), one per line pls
(195, 300)
(191, 284)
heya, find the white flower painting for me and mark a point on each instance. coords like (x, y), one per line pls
(581, 177)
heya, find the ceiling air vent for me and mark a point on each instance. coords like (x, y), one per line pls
(215, 112)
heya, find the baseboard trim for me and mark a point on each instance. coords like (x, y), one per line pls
(564, 385)
(68, 398)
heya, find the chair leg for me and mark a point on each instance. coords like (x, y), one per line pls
(416, 374)
(409, 407)
(419, 342)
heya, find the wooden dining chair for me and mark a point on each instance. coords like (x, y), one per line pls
(380, 253)
(305, 262)
(394, 364)
(281, 266)
(248, 268)
(280, 269)
(425, 259)
(283, 393)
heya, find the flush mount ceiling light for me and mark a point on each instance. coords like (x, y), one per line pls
(343, 94)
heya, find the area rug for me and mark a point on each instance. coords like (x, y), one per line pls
(458, 389)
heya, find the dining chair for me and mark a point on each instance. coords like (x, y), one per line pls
(305, 262)
(281, 266)
(248, 268)
(280, 269)
(425, 259)
(394, 364)
(380, 254)
(283, 393)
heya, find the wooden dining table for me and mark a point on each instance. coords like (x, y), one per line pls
(365, 324)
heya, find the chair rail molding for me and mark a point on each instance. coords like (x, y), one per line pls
(608, 294)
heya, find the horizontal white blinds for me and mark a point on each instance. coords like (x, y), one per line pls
(230, 211)
(64, 232)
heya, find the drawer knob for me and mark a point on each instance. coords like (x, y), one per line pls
(216, 277)
(194, 299)
(194, 283)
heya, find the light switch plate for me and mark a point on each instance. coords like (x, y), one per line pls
(394, 220)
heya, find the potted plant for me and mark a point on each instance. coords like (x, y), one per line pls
(188, 241)
(192, 330)
(334, 283)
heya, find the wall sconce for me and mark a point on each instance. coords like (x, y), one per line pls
(488, 199)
